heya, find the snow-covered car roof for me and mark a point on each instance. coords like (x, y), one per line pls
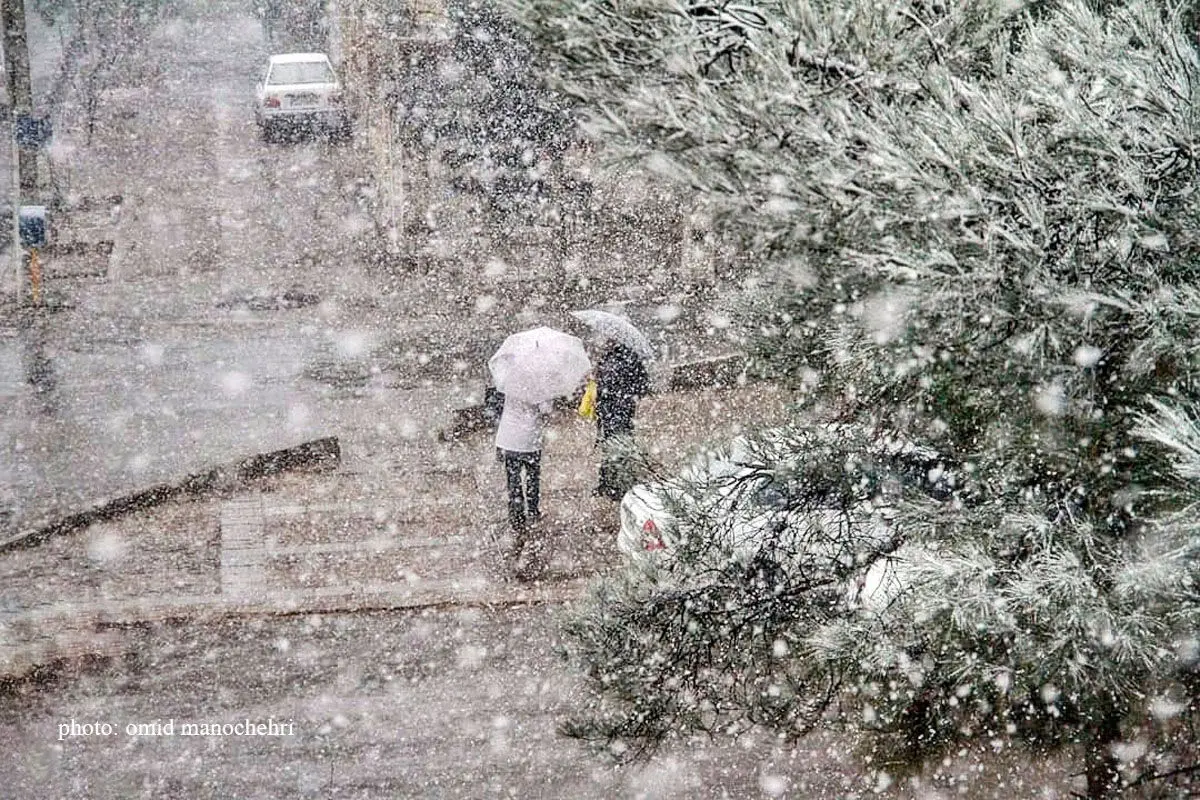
(779, 445)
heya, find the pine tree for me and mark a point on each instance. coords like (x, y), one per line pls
(977, 224)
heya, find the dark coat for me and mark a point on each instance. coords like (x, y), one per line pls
(621, 379)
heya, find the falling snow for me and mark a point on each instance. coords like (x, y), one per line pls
(892, 496)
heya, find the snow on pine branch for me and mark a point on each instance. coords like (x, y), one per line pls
(1030, 153)
(1178, 429)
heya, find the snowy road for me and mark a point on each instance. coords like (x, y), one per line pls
(436, 705)
(234, 314)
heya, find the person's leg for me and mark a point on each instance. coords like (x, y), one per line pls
(603, 434)
(616, 473)
(533, 485)
(604, 482)
(615, 431)
(516, 497)
(610, 484)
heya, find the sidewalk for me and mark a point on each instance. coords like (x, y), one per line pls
(420, 525)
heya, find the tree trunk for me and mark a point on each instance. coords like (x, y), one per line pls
(1103, 777)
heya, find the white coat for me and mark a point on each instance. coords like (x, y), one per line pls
(522, 425)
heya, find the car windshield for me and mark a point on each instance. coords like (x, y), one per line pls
(293, 72)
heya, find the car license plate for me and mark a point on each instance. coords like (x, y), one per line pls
(304, 99)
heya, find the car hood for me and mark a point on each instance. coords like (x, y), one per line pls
(814, 536)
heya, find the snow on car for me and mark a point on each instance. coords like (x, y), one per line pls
(300, 91)
(741, 485)
(885, 580)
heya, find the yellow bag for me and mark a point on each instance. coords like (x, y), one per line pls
(587, 406)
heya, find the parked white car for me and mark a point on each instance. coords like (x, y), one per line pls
(300, 92)
(739, 489)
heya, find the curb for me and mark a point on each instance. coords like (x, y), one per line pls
(101, 630)
(317, 454)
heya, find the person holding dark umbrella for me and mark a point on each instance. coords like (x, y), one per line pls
(621, 380)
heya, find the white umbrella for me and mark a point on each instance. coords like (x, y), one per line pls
(540, 364)
(616, 327)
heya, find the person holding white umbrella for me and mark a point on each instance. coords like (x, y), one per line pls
(531, 368)
(519, 442)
